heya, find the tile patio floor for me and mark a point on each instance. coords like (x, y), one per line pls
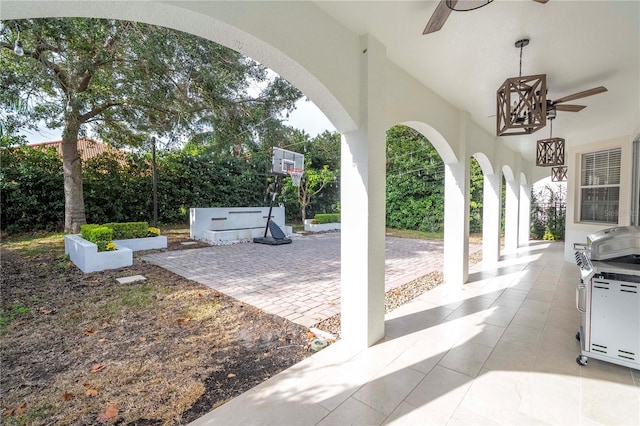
(500, 350)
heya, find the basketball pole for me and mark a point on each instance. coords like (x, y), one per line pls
(274, 194)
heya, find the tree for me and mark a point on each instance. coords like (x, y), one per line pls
(415, 181)
(476, 187)
(123, 81)
(318, 190)
(312, 183)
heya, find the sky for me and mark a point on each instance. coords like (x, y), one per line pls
(307, 116)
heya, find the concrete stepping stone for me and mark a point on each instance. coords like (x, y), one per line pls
(130, 279)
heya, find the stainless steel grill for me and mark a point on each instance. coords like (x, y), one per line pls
(608, 296)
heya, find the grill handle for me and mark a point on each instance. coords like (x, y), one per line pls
(581, 247)
(579, 289)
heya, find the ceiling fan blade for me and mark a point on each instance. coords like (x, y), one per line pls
(541, 1)
(570, 108)
(439, 17)
(579, 95)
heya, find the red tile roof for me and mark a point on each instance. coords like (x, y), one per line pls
(88, 148)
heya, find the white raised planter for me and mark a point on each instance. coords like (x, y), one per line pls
(320, 227)
(84, 254)
(148, 243)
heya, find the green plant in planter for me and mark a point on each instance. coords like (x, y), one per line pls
(129, 230)
(100, 235)
(326, 218)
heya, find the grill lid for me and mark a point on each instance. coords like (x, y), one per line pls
(621, 243)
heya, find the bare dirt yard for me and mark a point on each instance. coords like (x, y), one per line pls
(81, 349)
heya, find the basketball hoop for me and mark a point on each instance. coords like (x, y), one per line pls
(296, 176)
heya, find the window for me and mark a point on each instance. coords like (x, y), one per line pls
(600, 186)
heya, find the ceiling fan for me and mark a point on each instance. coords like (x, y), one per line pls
(444, 8)
(522, 105)
(553, 106)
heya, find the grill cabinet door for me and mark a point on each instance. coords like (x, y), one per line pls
(615, 319)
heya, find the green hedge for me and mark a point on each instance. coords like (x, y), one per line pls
(128, 230)
(100, 235)
(326, 218)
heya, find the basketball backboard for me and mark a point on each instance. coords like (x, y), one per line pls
(285, 162)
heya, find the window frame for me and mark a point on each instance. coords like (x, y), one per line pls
(589, 180)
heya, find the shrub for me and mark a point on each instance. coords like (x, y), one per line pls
(128, 230)
(326, 218)
(32, 194)
(153, 232)
(100, 235)
(548, 235)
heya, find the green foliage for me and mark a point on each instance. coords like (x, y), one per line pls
(14, 311)
(205, 180)
(476, 188)
(153, 232)
(321, 218)
(320, 190)
(31, 190)
(415, 182)
(100, 235)
(548, 235)
(86, 230)
(123, 81)
(120, 190)
(128, 230)
(548, 212)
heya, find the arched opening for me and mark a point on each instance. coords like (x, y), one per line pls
(548, 209)
(484, 211)
(510, 212)
(416, 195)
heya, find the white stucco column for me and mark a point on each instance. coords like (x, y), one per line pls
(456, 223)
(511, 215)
(491, 219)
(525, 215)
(363, 208)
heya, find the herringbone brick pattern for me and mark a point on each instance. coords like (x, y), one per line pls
(298, 281)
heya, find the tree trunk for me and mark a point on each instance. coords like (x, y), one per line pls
(74, 214)
(302, 201)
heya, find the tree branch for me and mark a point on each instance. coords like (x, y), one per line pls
(97, 111)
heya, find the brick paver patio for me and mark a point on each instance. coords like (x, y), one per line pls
(298, 281)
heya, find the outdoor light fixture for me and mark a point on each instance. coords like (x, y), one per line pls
(550, 152)
(466, 5)
(559, 174)
(522, 102)
(17, 47)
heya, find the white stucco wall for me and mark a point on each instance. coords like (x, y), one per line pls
(575, 230)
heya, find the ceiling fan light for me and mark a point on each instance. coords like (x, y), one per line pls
(466, 5)
(559, 174)
(521, 105)
(550, 152)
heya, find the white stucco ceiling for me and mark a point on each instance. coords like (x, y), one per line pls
(578, 44)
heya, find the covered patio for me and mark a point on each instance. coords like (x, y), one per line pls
(495, 344)
(499, 350)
